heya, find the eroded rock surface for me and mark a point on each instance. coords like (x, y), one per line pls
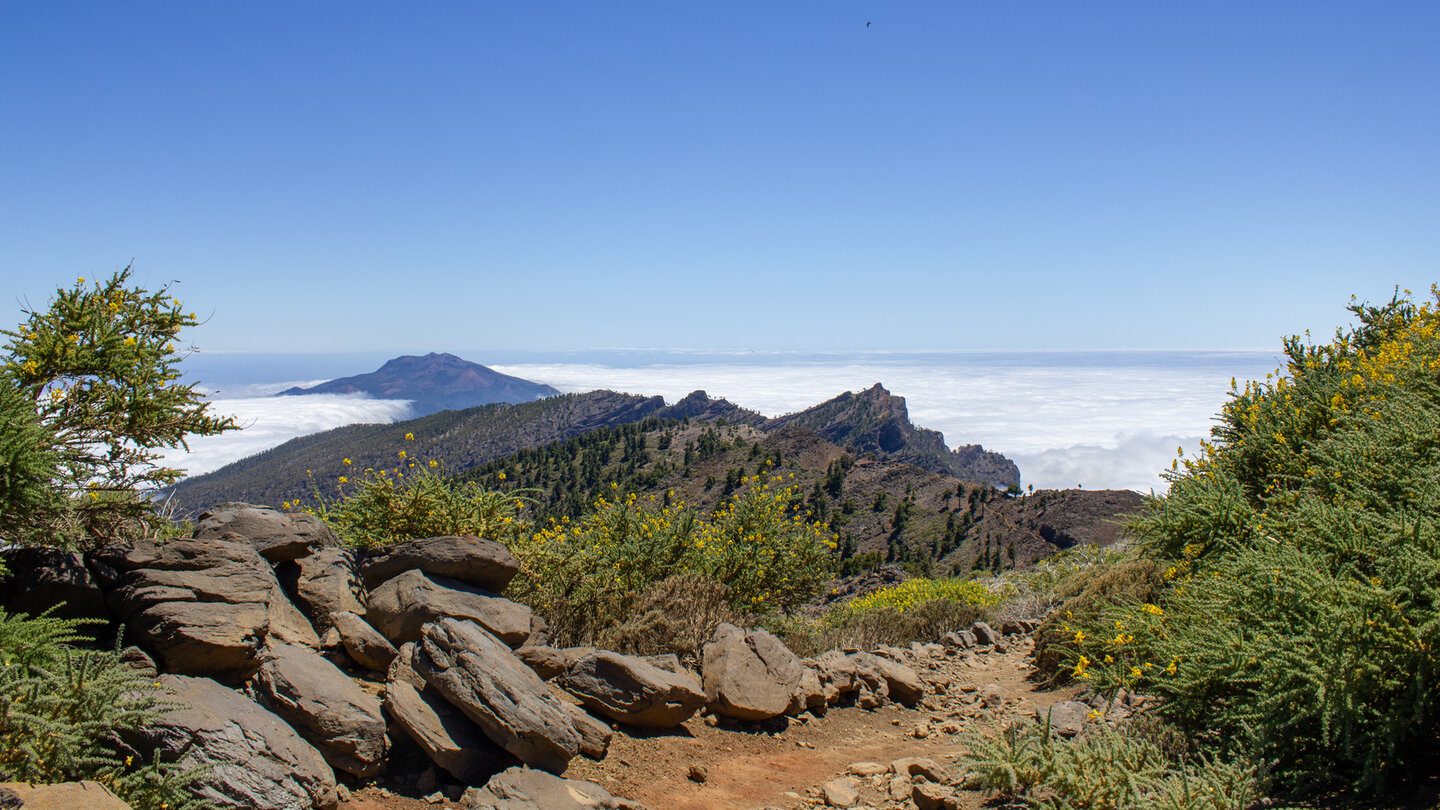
(404, 604)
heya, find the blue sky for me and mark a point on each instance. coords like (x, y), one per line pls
(486, 177)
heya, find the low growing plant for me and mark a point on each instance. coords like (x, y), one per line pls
(64, 710)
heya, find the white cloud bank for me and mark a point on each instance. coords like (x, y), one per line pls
(271, 421)
(1101, 421)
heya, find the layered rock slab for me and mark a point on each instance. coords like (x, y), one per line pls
(478, 674)
(451, 740)
(339, 718)
(256, 759)
(473, 560)
(203, 607)
(401, 606)
(631, 690)
(278, 536)
(525, 789)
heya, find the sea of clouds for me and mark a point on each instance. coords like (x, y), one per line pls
(1096, 419)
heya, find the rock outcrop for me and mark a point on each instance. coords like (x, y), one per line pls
(483, 563)
(478, 674)
(255, 758)
(278, 536)
(202, 607)
(526, 789)
(329, 710)
(631, 690)
(404, 604)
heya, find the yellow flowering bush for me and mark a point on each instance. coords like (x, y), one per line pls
(913, 593)
(387, 506)
(583, 575)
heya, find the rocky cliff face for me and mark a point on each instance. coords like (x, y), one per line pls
(876, 421)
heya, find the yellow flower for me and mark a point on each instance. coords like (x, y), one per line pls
(1135, 672)
(434, 464)
(344, 480)
(409, 437)
(402, 454)
(1079, 636)
(346, 462)
(501, 477)
(79, 281)
(1154, 610)
(130, 341)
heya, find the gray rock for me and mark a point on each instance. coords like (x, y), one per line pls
(325, 582)
(749, 675)
(1012, 627)
(931, 796)
(40, 578)
(526, 789)
(278, 536)
(479, 675)
(550, 661)
(364, 643)
(339, 718)
(403, 667)
(482, 563)
(903, 684)
(595, 735)
(631, 690)
(993, 695)
(984, 634)
(960, 639)
(404, 604)
(256, 759)
(809, 694)
(451, 740)
(202, 607)
(1067, 718)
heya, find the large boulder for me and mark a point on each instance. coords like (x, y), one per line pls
(595, 735)
(363, 643)
(478, 674)
(255, 759)
(203, 607)
(311, 694)
(483, 563)
(526, 789)
(325, 582)
(443, 732)
(631, 690)
(61, 796)
(404, 604)
(278, 536)
(749, 675)
(40, 578)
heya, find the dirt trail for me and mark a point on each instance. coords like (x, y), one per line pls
(782, 764)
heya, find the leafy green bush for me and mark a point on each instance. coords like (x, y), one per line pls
(1102, 770)
(99, 368)
(414, 500)
(1090, 596)
(1301, 620)
(586, 575)
(914, 594)
(63, 711)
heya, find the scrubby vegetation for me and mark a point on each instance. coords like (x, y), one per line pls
(413, 499)
(1140, 766)
(1297, 614)
(91, 393)
(64, 713)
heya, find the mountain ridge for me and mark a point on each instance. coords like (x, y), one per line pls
(433, 382)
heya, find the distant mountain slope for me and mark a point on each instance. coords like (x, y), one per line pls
(876, 421)
(458, 440)
(435, 382)
(882, 510)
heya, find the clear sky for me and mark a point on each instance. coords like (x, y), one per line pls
(469, 177)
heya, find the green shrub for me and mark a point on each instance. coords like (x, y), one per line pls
(1301, 620)
(414, 500)
(99, 368)
(1089, 596)
(63, 711)
(585, 575)
(1102, 770)
(912, 595)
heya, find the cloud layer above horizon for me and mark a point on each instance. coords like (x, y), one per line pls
(1111, 422)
